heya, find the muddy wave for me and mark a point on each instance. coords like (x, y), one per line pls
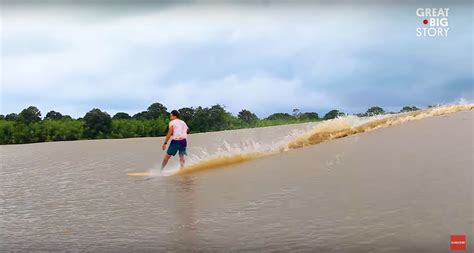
(324, 131)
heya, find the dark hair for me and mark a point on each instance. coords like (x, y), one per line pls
(175, 113)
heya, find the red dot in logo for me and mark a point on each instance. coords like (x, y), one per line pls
(425, 21)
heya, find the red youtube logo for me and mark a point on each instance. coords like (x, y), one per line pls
(458, 242)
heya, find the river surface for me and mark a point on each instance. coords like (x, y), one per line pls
(400, 189)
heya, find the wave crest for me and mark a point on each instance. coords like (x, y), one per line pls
(324, 131)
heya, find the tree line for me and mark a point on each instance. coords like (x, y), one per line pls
(29, 127)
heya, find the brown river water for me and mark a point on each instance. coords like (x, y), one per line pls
(403, 188)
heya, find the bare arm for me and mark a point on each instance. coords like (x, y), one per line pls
(168, 136)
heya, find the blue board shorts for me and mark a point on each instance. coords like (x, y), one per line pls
(177, 145)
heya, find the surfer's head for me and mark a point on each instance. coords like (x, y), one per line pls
(174, 115)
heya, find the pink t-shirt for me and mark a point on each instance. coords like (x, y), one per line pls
(180, 129)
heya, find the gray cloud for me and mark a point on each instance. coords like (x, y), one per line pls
(265, 59)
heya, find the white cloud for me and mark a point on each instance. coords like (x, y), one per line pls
(96, 58)
(255, 94)
(76, 59)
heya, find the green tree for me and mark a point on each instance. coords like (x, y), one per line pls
(296, 113)
(233, 122)
(98, 123)
(247, 116)
(217, 117)
(72, 129)
(60, 130)
(187, 114)
(409, 109)
(141, 115)
(309, 116)
(7, 129)
(24, 133)
(374, 110)
(156, 127)
(30, 115)
(206, 119)
(201, 120)
(333, 114)
(280, 116)
(53, 115)
(156, 110)
(126, 128)
(121, 115)
(2, 116)
(11, 117)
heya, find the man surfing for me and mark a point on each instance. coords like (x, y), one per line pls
(178, 132)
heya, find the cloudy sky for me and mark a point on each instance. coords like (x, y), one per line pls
(264, 56)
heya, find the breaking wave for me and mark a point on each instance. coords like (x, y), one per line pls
(324, 131)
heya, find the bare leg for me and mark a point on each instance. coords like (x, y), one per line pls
(165, 161)
(181, 160)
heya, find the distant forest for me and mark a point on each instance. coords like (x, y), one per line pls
(29, 127)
